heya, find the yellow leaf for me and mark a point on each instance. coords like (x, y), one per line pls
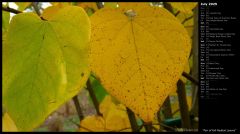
(106, 105)
(137, 6)
(92, 123)
(185, 7)
(22, 5)
(187, 70)
(185, 14)
(49, 12)
(87, 5)
(111, 4)
(114, 118)
(117, 119)
(61, 4)
(139, 55)
(8, 124)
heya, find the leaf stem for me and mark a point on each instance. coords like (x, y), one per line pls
(78, 107)
(99, 5)
(189, 77)
(187, 19)
(183, 105)
(176, 13)
(35, 6)
(11, 10)
(132, 119)
(167, 111)
(93, 96)
(148, 127)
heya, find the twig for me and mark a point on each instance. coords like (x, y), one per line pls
(11, 10)
(93, 96)
(167, 110)
(78, 107)
(121, 130)
(189, 77)
(156, 130)
(80, 125)
(139, 128)
(177, 13)
(35, 6)
(185, 117)
(187, 19)
(132, 119)
(75, 123)
(148, 127)
(168, 7)
(166, 126)
(175, 112)
(99, 5)
(8, 9)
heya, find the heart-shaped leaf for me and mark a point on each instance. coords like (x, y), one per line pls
(44, 64)
(139, 55)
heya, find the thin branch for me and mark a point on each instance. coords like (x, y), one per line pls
(168, 6)
(132, 119)
(35, 6)
(177, 13)
(190, 26)
(75, 123)
(175, 111)
(78, 107)
(154, 128)
(189, 77)
(167, 110)
(182, 100)
(11, 10)
(187, 19)
(139, 128)
(166, 126)
(99, 5)
(121, 129)
(93, 96)
(148, 127)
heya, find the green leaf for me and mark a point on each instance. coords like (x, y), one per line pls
(98, 89)
(5, 21)
(44, 64)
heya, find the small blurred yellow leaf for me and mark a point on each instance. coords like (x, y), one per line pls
(86, 5)
(106, 105)
(114, 118)
(92, 123)
(111, 4)
(22, 5)
(185, 14)
(117, 119)
(137, 6)
(185, 7)
(61, 4)
(49, 12)
(8, 124)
